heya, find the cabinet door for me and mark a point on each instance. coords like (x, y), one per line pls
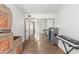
(17, 45)
(5, 17)
(6, 42)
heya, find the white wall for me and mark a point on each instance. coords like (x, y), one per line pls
(45, 24)
(40, 22)
(41, 25)
(41, 19)
(17, 21)
(50, 23)
(67, 20)
(42, 15)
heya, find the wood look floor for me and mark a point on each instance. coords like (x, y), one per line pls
(41, 46)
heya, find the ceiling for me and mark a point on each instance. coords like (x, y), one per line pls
(38, 8)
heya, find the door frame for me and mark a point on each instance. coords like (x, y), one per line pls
(25, 21)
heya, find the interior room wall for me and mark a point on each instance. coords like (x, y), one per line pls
(67, 20)
(17, 21)
(50, 22)
(40, 22)
(41, 25)
(41, 15)
(45, 24)
(42, 19)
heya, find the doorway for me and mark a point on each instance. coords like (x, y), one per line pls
(29, 28)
